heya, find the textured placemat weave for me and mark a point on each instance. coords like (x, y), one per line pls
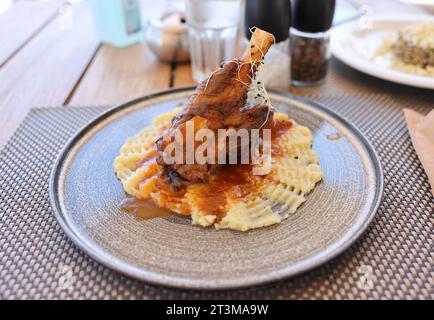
(393, 259)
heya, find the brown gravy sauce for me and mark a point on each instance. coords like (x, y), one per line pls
(279, 128)
(148, 158)
(334, 136)
(231, 181)
(144, 209)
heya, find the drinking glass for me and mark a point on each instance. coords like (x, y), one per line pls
(213, 33)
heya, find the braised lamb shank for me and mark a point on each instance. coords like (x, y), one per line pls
(221, 100)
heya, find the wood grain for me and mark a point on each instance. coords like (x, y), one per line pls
(45, 71)
(182, 76)
(20, 22)
(118, 75)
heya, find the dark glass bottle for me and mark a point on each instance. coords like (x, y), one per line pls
(272, 16)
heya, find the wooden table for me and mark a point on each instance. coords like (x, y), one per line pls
(45, 63)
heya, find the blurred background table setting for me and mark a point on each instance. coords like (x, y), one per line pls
(65, 61)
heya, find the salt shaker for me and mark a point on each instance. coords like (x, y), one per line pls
(274, 17)
(310, 40)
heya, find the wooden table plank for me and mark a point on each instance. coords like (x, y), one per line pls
(45, 71)
(182, 76)
(21, 22)
(118, 75)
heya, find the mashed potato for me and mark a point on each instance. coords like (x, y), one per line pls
(233, 198)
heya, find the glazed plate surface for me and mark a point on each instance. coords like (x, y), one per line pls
(85, 196)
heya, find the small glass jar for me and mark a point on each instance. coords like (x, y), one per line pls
(310, 53)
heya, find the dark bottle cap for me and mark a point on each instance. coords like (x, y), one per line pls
(312, 15)
(272, 16)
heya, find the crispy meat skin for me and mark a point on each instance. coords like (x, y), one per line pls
(224, 100)
(221, 100)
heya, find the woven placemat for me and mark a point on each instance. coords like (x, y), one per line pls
(393, 259)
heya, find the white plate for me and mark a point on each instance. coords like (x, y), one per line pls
(355, 47)
(424, 4)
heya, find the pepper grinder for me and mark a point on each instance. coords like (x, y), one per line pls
(274, 17)
(310, 41)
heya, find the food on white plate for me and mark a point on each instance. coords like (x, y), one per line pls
(411, 49)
